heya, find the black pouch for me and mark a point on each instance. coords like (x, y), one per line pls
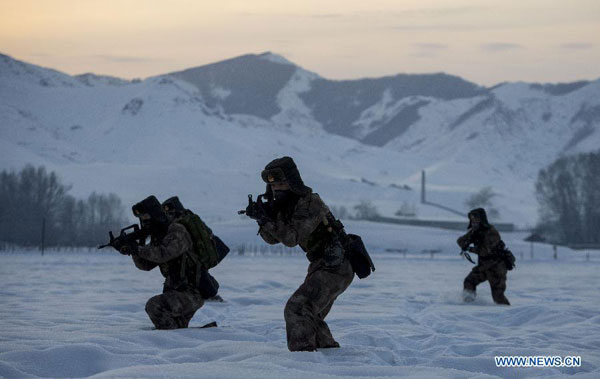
(222, 249)
(359, 257)
(506, 255)
(509, 259)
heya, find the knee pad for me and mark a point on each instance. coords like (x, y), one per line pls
(152, 304)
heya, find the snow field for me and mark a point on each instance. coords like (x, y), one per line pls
(82, 314)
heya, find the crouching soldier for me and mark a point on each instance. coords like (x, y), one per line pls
(491, 265)
(175, 210)
(294, 215)
(171, 248)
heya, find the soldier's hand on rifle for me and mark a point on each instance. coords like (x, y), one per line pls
(257, 212)
(128, 249)
(463, 245)
(251, 210)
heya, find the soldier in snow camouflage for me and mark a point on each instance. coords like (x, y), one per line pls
(490, 265)
(294, 215)
(168, 249)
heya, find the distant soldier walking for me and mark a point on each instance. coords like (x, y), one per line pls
(492, 257)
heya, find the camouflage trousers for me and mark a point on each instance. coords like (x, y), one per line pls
(173, 309)
(306, 310)
(495, 273)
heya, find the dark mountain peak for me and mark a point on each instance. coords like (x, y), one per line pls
(247, 84)
(337, 105)
(91, 79)
(276, 58)
(437, 85)
(559, 89)
(266, 58)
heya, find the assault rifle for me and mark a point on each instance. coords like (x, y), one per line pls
(136, 237)
(466, 255)
(258, 203)
(259, 210)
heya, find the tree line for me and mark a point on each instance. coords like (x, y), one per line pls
(34, 199)
(568, 193)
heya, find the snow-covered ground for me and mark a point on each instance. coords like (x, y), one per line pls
(77, 314)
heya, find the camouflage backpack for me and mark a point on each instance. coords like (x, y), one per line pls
(205, 249)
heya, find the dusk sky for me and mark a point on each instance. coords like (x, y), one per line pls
(483, 41)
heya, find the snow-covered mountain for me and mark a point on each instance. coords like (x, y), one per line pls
(205, 133)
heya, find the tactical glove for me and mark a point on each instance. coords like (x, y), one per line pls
(256, 212)
(128, 249)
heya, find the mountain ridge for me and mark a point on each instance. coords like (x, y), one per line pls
(353, 141)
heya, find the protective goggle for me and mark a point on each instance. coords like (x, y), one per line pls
(272, 176)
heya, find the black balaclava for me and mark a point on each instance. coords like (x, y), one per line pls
(158, 223)
(483, 220)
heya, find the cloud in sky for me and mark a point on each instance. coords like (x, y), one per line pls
(436, 27)
(325, 15)
(431, 46)
(429, 49)
(442, 11)
(577, 46)
(500, 46)
(485, 41)
(122, 58)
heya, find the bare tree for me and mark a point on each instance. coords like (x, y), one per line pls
(484, 199)
(32, 196)
(568, 194)
(408, 210)
(365, 210)
(340, 212)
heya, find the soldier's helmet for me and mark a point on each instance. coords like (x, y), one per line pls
(479, 213)
(284, 170)
(173, 207)
(151, 206)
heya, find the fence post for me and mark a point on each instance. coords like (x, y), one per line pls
(43, 235)
(531, 252)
